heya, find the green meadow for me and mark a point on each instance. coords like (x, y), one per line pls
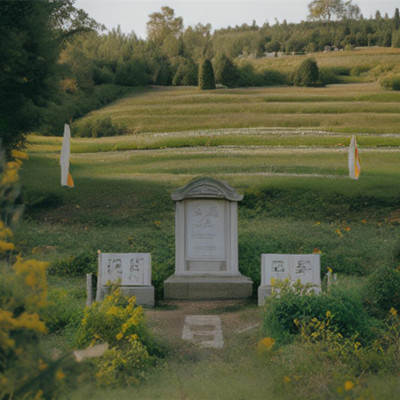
(285, 150)
(343, 108)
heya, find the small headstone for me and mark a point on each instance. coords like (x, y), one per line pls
(203, 329)
(303, 267)
(131, 270)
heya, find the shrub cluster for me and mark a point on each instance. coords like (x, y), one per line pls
(382, 291)
(391, 81)
(118, 321)
(307, 74)
(82, 263)
(292, 303)
(97, 128)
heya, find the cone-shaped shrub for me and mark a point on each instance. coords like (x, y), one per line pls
(226, 72)
(307, 74)
(206, 75)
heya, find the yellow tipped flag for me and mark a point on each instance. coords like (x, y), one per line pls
(66, 178)
(354, 160)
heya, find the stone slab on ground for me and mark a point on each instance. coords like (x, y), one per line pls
(204, 329)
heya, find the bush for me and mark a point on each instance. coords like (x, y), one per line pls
(294, 302)
(118, 321)
(103, 127)
(307, 74)
(327, 76)
(206, 75)
(63, 310)
(248, 76)
(382, 291)
(272, 77)
(83, 263)
(391, 81)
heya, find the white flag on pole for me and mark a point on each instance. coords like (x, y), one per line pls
(66, 178)
(354, 160)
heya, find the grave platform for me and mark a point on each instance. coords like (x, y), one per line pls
(207, 287)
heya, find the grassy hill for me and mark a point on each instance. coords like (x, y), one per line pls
(347, 108)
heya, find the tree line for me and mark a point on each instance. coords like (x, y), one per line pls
(58, 64)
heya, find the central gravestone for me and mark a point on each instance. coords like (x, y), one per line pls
(206, 243)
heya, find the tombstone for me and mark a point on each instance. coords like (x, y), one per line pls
(305, 267)
(132, 270)
(206, 243)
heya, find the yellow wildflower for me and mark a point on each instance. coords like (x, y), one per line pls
(348, 385)
(6, 246)
(5, 233)
(286, 379)
(329, 269)
(59, 374)
(273, 281)
(9, 176)
(339, 232)
(265, 344)
(328, 314)
(393, 312)
(317, 223)
(42, 365)
(317, 251)
(38, 395)
(119, 336)
(19, 154)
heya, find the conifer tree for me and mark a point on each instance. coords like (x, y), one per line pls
(226, 72)
(206, 75)
(396, 19)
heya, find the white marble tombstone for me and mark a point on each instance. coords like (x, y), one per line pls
(132, 270)
(206, 243)
(303, 267)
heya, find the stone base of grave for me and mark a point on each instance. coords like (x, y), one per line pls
(207, 287)
(263, 292)
(144, 294)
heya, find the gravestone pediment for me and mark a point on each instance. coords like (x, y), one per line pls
(206, 188)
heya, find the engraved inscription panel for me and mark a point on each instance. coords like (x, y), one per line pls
(132, 269)
(205, 230)
(305, 267)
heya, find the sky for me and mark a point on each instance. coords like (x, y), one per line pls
(132, 15)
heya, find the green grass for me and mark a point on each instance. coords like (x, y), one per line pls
(345, 108)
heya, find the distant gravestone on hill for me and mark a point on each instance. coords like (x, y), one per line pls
(303, 267)
(131, 270)
(206, 243)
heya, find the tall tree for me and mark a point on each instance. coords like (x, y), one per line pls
(206, 75)
(325, 10)
(28, 56)
(31, 33)
(164, 24)
(396, 19)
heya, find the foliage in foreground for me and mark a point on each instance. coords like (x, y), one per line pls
(118, 321)
(24, 371)
(290, 304)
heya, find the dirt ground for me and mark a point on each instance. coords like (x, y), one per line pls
(237, 316)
